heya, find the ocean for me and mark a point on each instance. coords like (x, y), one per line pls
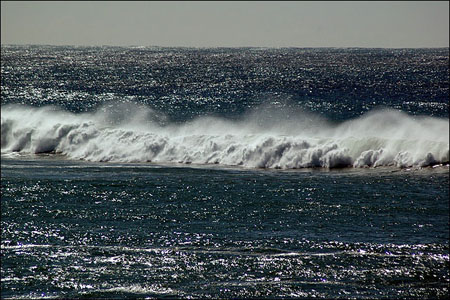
(243, 173)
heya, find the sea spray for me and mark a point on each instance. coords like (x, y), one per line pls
(263, 139)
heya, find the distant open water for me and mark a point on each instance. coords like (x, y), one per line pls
(224, 173)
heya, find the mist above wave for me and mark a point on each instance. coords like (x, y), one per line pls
(268, 138)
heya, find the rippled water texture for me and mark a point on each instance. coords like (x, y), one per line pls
(89, 229)
(188, 82)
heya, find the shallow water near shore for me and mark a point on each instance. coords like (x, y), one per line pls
(83, 229)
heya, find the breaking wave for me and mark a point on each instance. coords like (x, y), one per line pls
(266, 139)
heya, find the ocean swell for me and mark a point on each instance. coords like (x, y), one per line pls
(135, 134)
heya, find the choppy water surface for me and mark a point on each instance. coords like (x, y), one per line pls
(188, 82)
(87, 229)
(224, 173)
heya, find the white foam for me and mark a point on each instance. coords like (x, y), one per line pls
(138, 289)
(267, 139)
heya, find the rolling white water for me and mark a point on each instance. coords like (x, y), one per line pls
(265, 139)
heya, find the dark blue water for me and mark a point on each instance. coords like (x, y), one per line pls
(224, 173)
(187, 82)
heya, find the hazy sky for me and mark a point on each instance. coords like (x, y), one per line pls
(227, 24)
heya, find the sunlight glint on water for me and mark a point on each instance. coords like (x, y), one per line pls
(224, 173)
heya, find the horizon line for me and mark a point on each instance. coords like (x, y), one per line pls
(229, 47)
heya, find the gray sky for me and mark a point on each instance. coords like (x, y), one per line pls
(227, 24)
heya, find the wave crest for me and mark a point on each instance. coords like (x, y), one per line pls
(380, 138)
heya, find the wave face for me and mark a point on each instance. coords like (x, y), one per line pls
(267, 139)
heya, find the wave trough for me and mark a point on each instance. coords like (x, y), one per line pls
(265, 139)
